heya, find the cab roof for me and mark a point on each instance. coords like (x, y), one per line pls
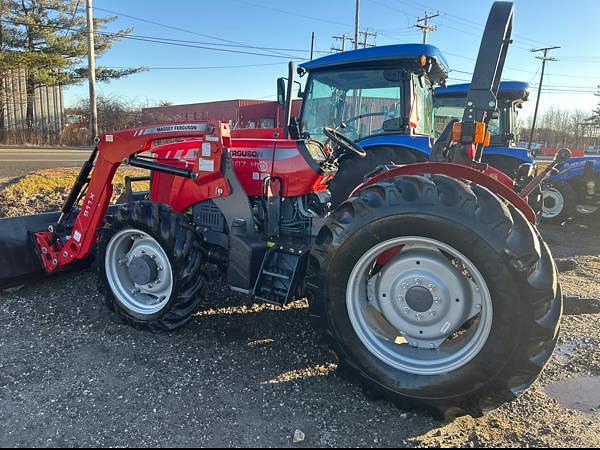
(383, 54)
(509, 90)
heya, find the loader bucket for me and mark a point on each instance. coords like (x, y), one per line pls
(19, 257)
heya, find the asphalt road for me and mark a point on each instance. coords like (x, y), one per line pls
(16, 162)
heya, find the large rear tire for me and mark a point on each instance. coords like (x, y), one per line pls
(150, 267)
(352, 170)
(387, 273)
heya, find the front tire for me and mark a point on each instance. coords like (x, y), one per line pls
(559, 203)
(442, 223)
(150, 267)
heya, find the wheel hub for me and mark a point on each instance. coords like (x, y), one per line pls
(143, 270)
(139, 272)
(419, 299)
(554, 203)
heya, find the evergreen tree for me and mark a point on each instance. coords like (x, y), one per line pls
(596, 114)
(48, 38)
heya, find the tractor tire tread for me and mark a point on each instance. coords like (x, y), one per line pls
(502, 227)
(186, 253)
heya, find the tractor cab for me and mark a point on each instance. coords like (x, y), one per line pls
(378, 100)
(374, 96)
(449, 103)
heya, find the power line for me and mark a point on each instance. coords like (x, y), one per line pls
(239, 66)
(171, 27)
(158, 40)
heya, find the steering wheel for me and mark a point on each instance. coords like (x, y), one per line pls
(344, 142)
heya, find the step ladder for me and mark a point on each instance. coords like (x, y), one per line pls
(278, 277)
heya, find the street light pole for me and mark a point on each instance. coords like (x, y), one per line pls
(357, 25)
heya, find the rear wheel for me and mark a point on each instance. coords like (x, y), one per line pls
(149, 262)
(352, 170)
(437, 293)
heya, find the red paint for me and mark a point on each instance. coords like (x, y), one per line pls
(253, 160)
(479, 176)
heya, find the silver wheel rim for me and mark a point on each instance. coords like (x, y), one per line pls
(142, 299)
(554, 203)
(419, 305)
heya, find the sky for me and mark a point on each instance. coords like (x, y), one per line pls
(190, 74)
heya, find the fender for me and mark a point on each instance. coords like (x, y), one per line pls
(486, 176)
(520, 154)
(575, 167)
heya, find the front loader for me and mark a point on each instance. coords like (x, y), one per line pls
(431, 282)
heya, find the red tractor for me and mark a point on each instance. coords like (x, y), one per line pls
(431, 282)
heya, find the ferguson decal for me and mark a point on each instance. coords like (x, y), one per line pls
(264, 154)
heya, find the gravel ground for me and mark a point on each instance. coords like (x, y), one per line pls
(250, 375)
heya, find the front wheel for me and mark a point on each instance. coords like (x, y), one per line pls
(559, 203)
(438, 293)
(149, 262)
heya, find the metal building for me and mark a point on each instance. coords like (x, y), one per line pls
(48, 105)
(239, 113)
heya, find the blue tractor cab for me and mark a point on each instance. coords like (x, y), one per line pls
(502, 153)
(380, 98)
(381, 95)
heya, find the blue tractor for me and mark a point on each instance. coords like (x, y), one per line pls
(502, 152)
(379, 98)
(573, 191)
(382, 99)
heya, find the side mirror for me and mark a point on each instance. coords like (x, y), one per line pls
(281, 91)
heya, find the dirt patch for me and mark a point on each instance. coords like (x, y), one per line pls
(45, 190)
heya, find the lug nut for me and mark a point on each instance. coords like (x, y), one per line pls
(135, 291)
(419, 316)
(419, 281)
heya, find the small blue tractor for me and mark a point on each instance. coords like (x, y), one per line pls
(502, 153)
(573, 191)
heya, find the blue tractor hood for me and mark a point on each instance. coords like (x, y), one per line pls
(388, 53)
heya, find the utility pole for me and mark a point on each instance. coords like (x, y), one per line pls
(312, 46)
(367, 35)
(544, 59)
(92, 71)
(424, 25)
(357, 25)
(342, 38)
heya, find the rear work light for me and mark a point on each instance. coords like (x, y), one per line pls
(471, 133)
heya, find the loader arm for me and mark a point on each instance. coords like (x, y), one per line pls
(113, 150)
